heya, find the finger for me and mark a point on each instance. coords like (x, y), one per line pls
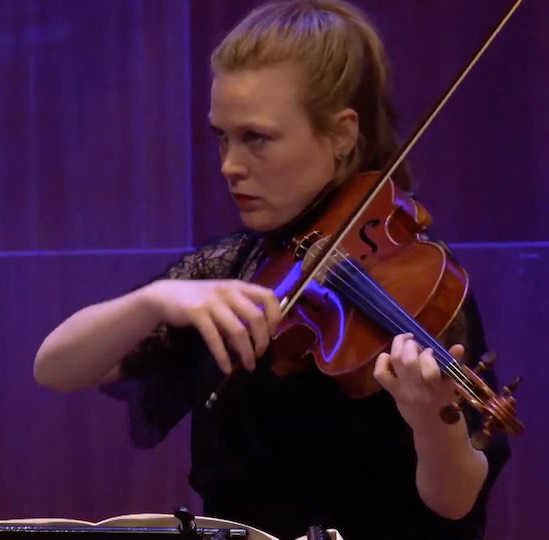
(234, 330)
(397, 344)
(273, 311)
(406, 364)
(384, 373)
(457, 351)
(268, 300)
(256, 319)
(214, 341)
(429, 368)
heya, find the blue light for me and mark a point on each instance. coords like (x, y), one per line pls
(286, 286)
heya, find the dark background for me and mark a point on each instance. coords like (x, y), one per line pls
(108, 170)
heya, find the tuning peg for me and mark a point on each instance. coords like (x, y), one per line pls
(487, 361)
(450, 414)
(511, 388)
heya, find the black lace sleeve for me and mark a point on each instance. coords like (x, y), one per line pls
(158, 374)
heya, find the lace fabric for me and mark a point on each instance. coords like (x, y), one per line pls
(217, 259)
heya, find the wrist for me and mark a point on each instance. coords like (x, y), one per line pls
(433, 433)
(150, 302)
(424, 417)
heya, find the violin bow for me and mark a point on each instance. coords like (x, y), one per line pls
(327, 250)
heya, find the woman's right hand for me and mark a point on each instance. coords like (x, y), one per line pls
(240, 314)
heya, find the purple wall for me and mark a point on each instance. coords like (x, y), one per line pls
(106, 164)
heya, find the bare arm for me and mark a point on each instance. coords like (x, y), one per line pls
(86, 349)
(450, 472)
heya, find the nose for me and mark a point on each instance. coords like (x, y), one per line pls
(232, 164)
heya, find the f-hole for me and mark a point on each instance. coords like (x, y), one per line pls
(363, 233)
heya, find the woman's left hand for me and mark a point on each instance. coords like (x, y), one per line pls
(415, 381)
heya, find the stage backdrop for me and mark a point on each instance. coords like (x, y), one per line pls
(108, 170)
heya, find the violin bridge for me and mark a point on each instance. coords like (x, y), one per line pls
(308, 249)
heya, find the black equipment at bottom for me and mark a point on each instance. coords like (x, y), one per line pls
(186, 530)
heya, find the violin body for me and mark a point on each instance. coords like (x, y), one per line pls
(332, 320)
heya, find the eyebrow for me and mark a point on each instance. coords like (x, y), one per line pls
(214, 128)
(248, 126)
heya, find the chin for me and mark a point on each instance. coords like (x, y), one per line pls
(259, 223)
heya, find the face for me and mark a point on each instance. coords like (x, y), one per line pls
(272, 160)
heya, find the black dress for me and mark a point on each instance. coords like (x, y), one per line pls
(282, 454)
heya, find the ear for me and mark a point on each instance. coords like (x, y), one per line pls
(345, 132)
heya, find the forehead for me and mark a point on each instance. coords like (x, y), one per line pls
(265, 92)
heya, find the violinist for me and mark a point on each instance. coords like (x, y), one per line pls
(299, 105)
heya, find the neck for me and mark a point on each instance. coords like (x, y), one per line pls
(281, 236)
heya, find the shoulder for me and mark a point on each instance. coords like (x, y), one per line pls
(214, 259)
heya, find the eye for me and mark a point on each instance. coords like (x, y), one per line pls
(254, 137)
(219, 134)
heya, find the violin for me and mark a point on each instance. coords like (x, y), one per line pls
(363, 270)
(343, 305)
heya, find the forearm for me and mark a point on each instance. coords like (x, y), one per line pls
(450, 472)
(91, 343)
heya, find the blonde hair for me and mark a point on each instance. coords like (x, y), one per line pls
(344, 63)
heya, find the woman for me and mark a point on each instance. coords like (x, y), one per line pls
(299, 105)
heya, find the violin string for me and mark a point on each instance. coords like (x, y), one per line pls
(453, 369)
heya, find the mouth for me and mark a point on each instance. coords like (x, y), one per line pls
(244, 200)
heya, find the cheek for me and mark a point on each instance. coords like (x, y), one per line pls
(290, 174)
(308, 171)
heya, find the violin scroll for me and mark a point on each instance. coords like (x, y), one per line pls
(498, 411)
